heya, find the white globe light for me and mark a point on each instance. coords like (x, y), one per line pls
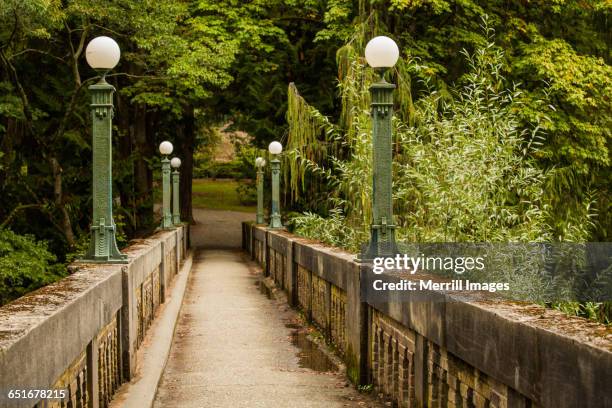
(260, 162)
(175, 162)
(381, 52)
(102, 53)
(165, 148)
(275, 148)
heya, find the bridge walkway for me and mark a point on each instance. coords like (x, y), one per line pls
(236, 347)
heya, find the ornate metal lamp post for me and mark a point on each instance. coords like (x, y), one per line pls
(260, 162)
(165, 148)
(176, 210)
(382, 53)
(275, 149)
(103, 54)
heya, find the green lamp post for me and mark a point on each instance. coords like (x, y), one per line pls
(260, 162)
(176, 210)
(275, 149)
(382, 53)
(165, 148)
(102, 54)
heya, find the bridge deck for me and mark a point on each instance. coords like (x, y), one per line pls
(232, 346)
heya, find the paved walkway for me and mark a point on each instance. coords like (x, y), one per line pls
(233, 344)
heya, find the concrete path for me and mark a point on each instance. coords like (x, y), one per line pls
(233, 344)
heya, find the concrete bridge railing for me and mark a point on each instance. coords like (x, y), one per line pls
(446, 354)
(81, 334)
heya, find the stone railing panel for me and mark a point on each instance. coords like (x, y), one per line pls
(75, 381)
(338, 318)
(320, 303)
(109, 363)
(317, 279)
(392, 360)
(304, 289)
(440, 350)
(260, 246)
(45, 333)
(81, 333)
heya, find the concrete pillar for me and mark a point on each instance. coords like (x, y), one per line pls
(356, 327)
(420, 369)
(129, 330)
(92, 374)
(291, 275)
(177, 248)
(163, 274)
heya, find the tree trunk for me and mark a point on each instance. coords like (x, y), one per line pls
(143, 176)
(187, 148)
(66, 224)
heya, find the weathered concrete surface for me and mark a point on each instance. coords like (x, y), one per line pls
(232, 347)
(139, 392)
(218, 229)
(81, 332)
(479, 349)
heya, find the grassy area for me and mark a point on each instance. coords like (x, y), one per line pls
(218, 194)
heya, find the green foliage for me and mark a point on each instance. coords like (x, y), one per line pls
(247, 192)
(484, 160)
(465, 172)
(219, 195)
(366, 388)
(188, 66)
(559, 53)
(25, 265)
(245, 155)
(222, 170)
(332, 230)
(597, 311)
(580, 89)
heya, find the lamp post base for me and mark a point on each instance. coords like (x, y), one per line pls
(275, 222)
(103, 247)
(103, 260)
(382, 244)
(166, 223)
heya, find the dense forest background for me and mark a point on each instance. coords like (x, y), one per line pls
(188, 67)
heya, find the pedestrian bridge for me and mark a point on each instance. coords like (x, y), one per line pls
(207, 316)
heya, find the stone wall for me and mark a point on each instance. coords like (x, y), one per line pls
(478, 353)
(81, 333)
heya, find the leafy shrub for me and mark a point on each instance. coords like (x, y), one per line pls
(247, 192)
(464, 172)
(25, 265)
(230, 170)
(331, 230)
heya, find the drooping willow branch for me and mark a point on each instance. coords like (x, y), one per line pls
(311, 139)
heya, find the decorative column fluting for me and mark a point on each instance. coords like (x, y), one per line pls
(176, 209)
(260, 162)
(103, 243)
(381, 54)
(275, 149)
(165, 148)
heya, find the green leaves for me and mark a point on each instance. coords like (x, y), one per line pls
(580, 88)
(25, 265)
(464, 173)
